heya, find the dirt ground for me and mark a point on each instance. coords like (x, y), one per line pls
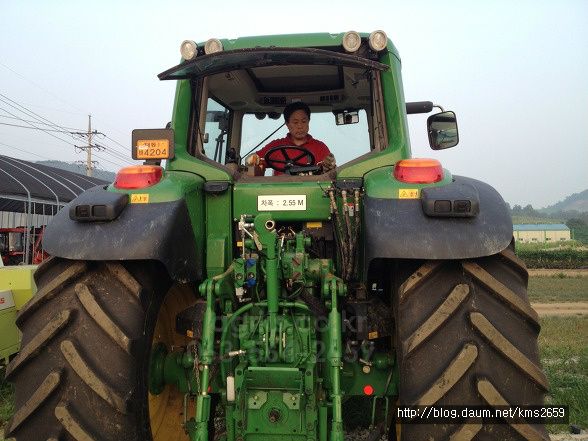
(568, 437)
(555, 272)
(560, 309)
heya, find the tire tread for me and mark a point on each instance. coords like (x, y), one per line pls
(508, 350)
(494, 398)
(88, 375)
(101, 318)
(32, 348)
(51, 289)
(36, 400)
(71, 424)
(95, 338)
(502, 292)
(459, 322)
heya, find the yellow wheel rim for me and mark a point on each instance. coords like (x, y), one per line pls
(166, 411)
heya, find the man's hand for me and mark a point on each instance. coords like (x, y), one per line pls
(253, 159)
(256, 165)
(329, 163)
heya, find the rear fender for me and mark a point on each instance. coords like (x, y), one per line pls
(154, 231)
(411, 229)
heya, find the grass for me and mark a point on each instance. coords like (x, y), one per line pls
(6, 403)
(558, 288)
(534, 246)
(563, 345)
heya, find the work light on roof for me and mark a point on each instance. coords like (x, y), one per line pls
(213, 45)
(378, 41)
(188, 49)
(351, 41)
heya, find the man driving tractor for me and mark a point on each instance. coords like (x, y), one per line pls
(298, 148)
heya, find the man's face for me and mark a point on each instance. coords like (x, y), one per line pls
(298, 125)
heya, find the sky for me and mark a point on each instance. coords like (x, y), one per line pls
(515, 72)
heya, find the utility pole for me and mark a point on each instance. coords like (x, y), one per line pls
(90, 165)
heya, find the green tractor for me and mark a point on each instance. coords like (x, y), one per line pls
(205, 300)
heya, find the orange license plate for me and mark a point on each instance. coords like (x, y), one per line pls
(152, 149)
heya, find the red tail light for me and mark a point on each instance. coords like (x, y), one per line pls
(138, 176)
(368, 389)
(418, 171)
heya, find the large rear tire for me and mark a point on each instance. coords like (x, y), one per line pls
(467, 335)
(83, 367)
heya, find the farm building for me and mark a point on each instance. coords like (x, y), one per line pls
(541, 232)
(30, 195)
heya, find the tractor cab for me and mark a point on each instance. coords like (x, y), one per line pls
(239, 97)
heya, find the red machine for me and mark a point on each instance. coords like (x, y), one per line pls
(13, 246)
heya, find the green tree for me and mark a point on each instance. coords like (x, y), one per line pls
(579, 229)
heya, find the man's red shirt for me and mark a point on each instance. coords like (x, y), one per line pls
(318, 148)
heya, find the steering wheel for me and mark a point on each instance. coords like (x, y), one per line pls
(273, 160)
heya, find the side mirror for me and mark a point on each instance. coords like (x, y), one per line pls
(346, 117)
(442, 130)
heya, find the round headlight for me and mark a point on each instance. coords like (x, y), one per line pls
(351, 41)
(378, 41)
(188, 49)
(213, 45)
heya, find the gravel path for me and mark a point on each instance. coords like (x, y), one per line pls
(568, 437)
(555, 272)
(560, 309)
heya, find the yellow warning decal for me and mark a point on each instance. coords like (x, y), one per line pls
(408, 193)
(314, 224)
(139, 198)
(372, 335)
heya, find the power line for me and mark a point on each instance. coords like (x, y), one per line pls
(116, 142)
(52, 94)
(40, 87)
(52, 159)
(36, 122)
(30, 113)
(26, 151)
(31, 153)
(23, 77)
(117, 164)
(125, 150)
(28, 127)
(50, 123)
(40, 128)
(113, 152)
(78, 133)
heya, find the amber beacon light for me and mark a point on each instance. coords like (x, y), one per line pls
(418, 171)
(138, 176)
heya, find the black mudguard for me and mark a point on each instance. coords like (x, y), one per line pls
(156, 231)
(400, 228)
